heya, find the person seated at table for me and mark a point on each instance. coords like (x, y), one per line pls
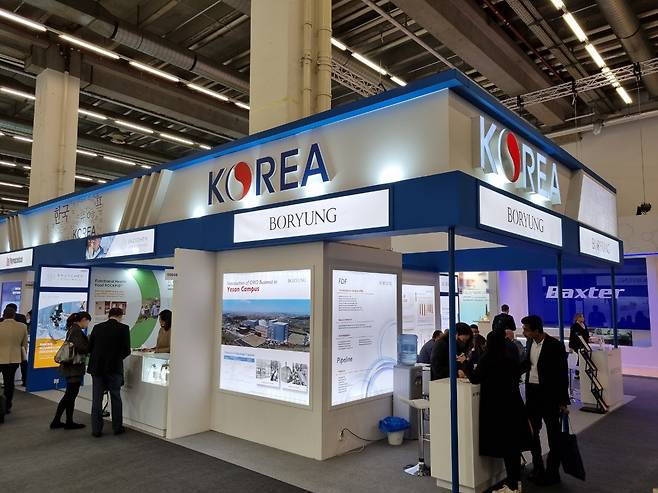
(440, 360)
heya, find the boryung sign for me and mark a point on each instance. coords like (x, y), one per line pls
(513, 160)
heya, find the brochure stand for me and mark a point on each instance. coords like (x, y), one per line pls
(591, 371)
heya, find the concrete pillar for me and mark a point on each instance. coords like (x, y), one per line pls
(290, 65)
(55, 136)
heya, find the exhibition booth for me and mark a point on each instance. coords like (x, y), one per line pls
(299, 255)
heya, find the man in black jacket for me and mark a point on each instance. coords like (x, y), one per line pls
(109, 344)
(547, 395)
(440, 361)
(503, 321)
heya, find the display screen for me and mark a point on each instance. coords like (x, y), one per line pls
(11, 293)
(141, 293)
(364, 335)
(266, 334)
(418, 312)
(589, 291)
(121, 245)
(64, 277)
(54, 309)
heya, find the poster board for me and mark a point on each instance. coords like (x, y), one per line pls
(418, 312)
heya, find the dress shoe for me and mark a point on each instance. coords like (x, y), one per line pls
(120, 431)
(73, 426)
(97, 435)
(56, 424)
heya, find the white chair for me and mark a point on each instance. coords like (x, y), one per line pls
(420, 469)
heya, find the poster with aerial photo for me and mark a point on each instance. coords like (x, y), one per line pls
(266, 334)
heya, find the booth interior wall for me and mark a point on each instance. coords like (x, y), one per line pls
(192, 356)
(275, 423)
(513, 291)
(362, 416)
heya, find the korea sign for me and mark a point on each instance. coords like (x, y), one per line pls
(504, 154)
(505, 214)
(597, 245)
(351, 212)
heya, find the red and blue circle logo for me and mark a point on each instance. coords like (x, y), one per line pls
(238, 181)
(509, 156)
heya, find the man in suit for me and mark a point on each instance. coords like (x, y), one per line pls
(13, 342)
(109, 344)
(503, 321)
(440, 360)
(547, 395)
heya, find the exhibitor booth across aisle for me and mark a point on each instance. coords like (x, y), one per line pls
(287, 251)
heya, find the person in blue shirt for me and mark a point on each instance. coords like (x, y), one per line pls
(425, 354)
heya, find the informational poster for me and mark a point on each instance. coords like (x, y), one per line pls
(445, 311)
(266, 334)
(133, 243)
(418, 312)
(364, 335)
(54, 309)
(11, 293)
(474, 300)
(141, 293)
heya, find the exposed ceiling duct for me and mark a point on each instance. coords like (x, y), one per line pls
(627, 28)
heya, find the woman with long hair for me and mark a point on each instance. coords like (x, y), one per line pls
(504, 427)
(163, 342)
(74, 373)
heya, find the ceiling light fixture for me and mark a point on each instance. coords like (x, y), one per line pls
(119, 160)
(12, 185)
(22, 20)
(89, 46)
(624, 95)
(176, 138)
(20, 94)
(154, 71)
(573, 24)
(204, 146)
(25, 166)
(86, 153)
(19, 201)
(145, 166)
(207, 92)
(23, 139)
(338, 44)
(8, 163)
(559, 4)
(242, 105)
(92, 114)
(133, 126)
(369, 63)
(595, 55)
(83, 178)
(398, 81)
(101, 181)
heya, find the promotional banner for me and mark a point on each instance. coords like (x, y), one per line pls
(134, 243)
(364, 335)
(418, 312)
(473, 296)
(54, 309)
(266, 334)
(140, 293)
(11, 293)
(64, 277)
(15, 260)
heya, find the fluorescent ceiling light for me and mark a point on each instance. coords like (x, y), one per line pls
(369, 63)
(8, 163)
(145, 166)
(595, 55)
(242, 105)
(101, 181)
(119, 160)
(89, 46)
(9, 199)
(558, 4)
(86, 153)
(398, 81)
(24, 139)
(83, 178)
(1, 134)
(204, 146)
(22, 20)
(27, 167)
(175, 138)
(92, 114)
(207, 92)
(133, 126)
(13, 185)
(624, 95)
(338, 44)
(20, 94)
(573, 24)
(155, 71)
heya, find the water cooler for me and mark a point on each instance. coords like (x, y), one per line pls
(408, 383)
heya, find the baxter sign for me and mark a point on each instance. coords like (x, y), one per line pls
(504, 154)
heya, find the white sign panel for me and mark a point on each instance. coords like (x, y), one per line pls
(508, 215)
(598, 245)
(598, 206)
(364, 335)
(15, 260)
(64, 277)
(266, 335)
(121, 245)
(418, 312)
(352, 212)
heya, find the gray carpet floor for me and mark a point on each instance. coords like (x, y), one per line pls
(34, 458)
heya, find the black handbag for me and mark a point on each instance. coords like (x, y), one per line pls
(572, 462)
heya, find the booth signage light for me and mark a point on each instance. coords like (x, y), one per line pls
(598, 245)
(15, 260)
(234, 183)
(502, 153)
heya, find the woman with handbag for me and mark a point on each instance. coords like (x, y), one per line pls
(72, 367)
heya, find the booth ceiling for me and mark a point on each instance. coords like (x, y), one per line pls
(510, 47)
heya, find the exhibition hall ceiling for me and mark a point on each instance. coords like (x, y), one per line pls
(509, 47)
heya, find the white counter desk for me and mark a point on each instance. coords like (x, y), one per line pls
(476, 472)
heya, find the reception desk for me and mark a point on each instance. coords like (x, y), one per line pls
(608, 362)
(476, 473)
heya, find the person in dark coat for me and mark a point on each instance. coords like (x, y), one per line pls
(76, 324)
(109, 344)
(425, 354)
(440, 360)
(479, 344)
(578, 329)
(504, 427)
(503, 321)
